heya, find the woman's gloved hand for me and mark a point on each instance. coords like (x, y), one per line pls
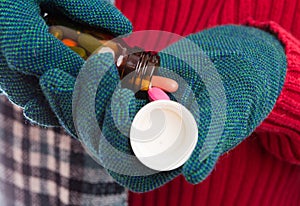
(27, 50)
(251, 64)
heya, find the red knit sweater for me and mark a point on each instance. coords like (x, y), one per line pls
(265, 168)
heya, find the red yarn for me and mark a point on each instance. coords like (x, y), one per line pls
(264, 169)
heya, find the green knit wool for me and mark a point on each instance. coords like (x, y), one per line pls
(27, 50)
(251, 64)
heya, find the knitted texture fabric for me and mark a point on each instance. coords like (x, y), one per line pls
(27, 49)
(280, 130)
(251, 64)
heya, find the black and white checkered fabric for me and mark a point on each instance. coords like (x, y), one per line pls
(41, 166)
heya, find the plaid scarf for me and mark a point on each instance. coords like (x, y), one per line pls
(41, 166)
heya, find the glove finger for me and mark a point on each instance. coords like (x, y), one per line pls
(18, 87)
(97, 13)
(38, 111)
(25, 91)
(196, 171)
(96, 83)
(58, 88)
(27, 45)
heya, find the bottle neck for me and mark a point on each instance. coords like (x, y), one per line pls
(138, 69)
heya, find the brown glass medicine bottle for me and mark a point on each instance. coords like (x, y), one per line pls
(136, 65)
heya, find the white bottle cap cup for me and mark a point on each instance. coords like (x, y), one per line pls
(163, 135)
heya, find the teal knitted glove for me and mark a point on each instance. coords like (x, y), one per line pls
(27, 50)
(250, 66)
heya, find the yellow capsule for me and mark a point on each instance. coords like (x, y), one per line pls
(80, 51)
(88, 42)
(145, 85)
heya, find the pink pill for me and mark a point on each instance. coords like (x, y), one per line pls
(155, 93)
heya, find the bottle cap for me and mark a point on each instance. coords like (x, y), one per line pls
(163, 135)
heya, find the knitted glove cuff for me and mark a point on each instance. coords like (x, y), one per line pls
(280, 132)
